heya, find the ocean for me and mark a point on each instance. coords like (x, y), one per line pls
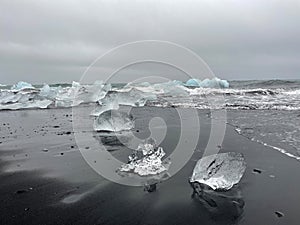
(265, 111)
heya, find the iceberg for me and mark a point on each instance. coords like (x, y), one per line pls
(146, 160)
(220, 171)
(207, 83)
(21, 85)
(113, 121)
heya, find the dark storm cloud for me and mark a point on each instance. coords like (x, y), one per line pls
(54, 41)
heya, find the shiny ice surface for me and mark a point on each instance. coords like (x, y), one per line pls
(220, 171)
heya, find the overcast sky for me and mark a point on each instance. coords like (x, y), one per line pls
(54, 41)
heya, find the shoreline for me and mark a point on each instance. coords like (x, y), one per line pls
(40, 185)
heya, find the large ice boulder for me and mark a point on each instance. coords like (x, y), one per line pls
(220, 171)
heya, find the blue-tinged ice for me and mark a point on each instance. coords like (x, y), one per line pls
(208, 83)
(21, 85)
(220, 171)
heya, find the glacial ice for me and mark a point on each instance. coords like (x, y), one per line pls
(113, 121)
(108, 105)
(10, 97)
(49, 92)
(171, 88)
(21, 85)
(133, 94)
(146, 160)
(220, 171)
(42, 104)
(109, 119)
(208, 83)
(77, 94)
(132, 97)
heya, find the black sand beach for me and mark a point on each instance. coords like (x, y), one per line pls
(45, 180)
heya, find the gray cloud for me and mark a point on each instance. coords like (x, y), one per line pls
(54, 41)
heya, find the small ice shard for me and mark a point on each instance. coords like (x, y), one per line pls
(113, 121)
(220, 171)
(146, 160)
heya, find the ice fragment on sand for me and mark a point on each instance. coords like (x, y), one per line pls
(219, 171)
(113, 121)
(146, 160)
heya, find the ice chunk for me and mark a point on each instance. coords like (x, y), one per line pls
(207, 83)
(172, 88)
(21, 85)
(77, 94)
(42, 104)
(66, 96)
(22, 99)
(146, 160)
(113, 121)
(132, 97)
(135, 98)
(92, 93)
(10, 97)
(113, 105)
(112, 101)
(220, 171)
(49, 92)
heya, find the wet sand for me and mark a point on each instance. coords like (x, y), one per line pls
(44, 179)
